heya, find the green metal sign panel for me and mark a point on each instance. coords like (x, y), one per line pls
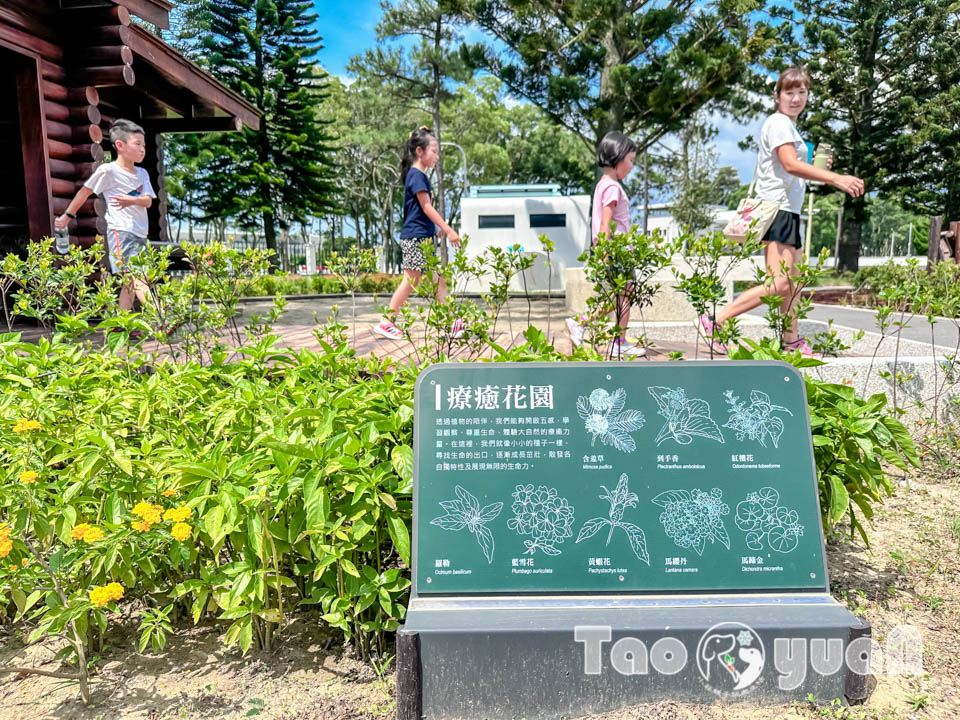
(614, 477)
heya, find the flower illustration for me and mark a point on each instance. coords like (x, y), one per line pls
(27, 477)
(548, 519)
(690, 518)
(467, 513)
(686, 418)
(762, 517)
(604, 418)
(755, 421)
(620, 499)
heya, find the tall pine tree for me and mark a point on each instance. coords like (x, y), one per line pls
(885, 76)
(627, 65)
(282, 173)
(418, 76)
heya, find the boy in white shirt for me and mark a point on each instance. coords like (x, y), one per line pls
(128, 193)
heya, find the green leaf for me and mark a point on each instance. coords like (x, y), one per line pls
(400, 536)
(402, 458)
(316, 500)
(839, 499)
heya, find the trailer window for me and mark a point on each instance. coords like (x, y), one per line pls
(543, 220)
(490, 222)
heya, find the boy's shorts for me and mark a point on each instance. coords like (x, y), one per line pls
(121, 246)
(413, 257)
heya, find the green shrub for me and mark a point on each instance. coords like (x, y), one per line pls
(852, 438)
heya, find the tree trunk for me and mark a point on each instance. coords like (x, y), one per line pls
(437, 85)
(854, 215)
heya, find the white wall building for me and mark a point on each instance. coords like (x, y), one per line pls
(662, 219)
(507, 215)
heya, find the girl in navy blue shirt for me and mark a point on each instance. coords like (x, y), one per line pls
(420, 223)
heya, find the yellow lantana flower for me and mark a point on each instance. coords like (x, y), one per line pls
(148, 512)
(25, 562)
(5, 531)
(23, 425)
(27, 477)
(100, 596)
(6, 545)
(177, 514)
(181, 531)
(170, 493)
(87, 533)
(140, 525)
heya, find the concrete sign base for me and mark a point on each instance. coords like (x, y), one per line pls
(564, 656)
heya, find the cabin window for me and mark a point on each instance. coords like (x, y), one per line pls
(490, 222)
(545, 220)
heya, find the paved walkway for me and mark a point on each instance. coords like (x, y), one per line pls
(945, 330)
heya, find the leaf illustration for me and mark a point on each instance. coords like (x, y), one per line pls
(583, 407)
(669, 496)
(720, 533)
(490, 512)
(485, 538)
(638, 541)
(701, 545)
(470, 503)
(754, 541)
(591, 528)
(758, 397)
(659, 394)
(696, 406)
(621, 440)
(775, 428)
(768, 497)
(664, 433)
(629, 420)
(549, 550)
(454, 507)
(450, 522)
(703, 426)
(619, 400)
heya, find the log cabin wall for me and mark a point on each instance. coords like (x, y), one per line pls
(74, 76)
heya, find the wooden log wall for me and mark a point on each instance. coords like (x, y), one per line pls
(153, 163)
(71, 75)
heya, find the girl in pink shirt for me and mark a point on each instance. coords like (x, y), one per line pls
(611, 214)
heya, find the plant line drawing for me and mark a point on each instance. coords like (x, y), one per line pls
(544, 516)
(690, 518)
(762, 517)
(756, 420)
(604, 417)
(620, 499)
(467, 513)
(686, 418)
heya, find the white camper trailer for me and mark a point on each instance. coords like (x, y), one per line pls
(516, 215)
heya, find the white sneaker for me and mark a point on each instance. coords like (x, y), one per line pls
(388, 330)
(626, 350)
(576, 330)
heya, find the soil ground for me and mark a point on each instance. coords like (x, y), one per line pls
(909, 574)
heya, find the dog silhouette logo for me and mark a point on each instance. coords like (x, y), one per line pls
(730, 657)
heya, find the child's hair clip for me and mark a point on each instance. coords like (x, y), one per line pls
(422, 127)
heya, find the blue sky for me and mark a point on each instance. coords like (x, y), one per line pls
(349, 26)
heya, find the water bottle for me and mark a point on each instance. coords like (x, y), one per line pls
(62, 240)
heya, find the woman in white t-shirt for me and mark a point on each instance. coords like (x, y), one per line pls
(782, 175)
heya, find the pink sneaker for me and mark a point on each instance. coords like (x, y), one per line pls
(706, 327)
(458, 329)
(388, 330)
(804, 348)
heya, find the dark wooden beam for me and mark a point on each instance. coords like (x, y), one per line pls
(105, 15)
(30, 44)
(33, 142)
(107, 55)
(155, 87)
(106, 76)
(80, 115)
(156, 12)
(195, 125)
(184, 73)
(71, 96)
(103, 35)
